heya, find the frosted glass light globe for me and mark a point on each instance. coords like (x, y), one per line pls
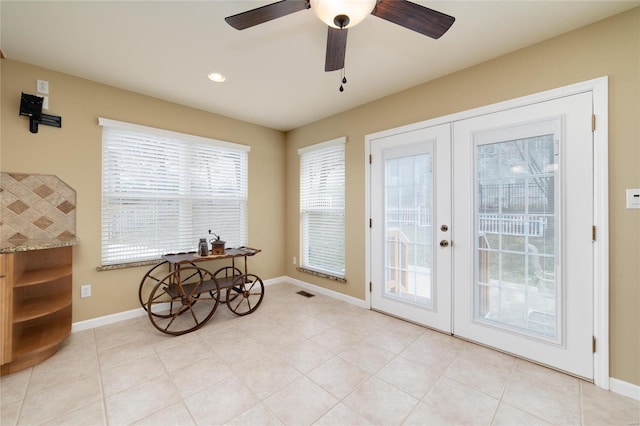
(356, 10)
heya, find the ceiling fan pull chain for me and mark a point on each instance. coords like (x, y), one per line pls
(344, 80)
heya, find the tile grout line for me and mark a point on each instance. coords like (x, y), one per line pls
(103, 399)
(580, 401)
(164, 367)
(374, 375)
(260, 400)
(334, 356)
(24, 396)
(338, 401)
(504, 390)
(305, 375)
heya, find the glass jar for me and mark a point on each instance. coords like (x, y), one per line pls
(203, 247)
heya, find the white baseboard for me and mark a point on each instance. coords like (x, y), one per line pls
(277, 280)
(107, 319)
(624, 388)
(326, 292)
(139, 312)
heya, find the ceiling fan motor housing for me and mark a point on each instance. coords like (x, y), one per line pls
(341, 21)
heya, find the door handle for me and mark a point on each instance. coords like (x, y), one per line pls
(444, 243)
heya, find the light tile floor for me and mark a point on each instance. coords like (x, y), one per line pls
(296, 361)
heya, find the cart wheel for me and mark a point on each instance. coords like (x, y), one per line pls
(149, 281)
(227, 275)
(245, 295)
(172, 306)
(153, 277)
(227, 272)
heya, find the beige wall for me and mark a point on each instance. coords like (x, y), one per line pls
(73, 153)
(610, 47)
(607, 48)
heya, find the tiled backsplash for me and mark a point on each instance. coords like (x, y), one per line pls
(36, 207)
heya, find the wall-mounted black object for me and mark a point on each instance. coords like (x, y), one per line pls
(31, 106)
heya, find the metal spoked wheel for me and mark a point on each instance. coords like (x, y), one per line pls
(172, 306)
(225, 276)
(245, 295)
(158, 272)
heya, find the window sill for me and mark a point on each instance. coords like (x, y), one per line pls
(322, 275)
(127, 265)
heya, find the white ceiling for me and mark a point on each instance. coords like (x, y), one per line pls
(275, 71)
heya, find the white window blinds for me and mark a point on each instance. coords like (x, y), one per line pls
(322, 205)
(162, 191)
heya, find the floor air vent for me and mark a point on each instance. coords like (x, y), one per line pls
(305, 294)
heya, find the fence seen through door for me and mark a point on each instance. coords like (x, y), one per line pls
(515, 213)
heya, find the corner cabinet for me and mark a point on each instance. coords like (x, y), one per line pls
(35, 317)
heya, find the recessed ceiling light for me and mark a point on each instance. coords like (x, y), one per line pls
(217, 77)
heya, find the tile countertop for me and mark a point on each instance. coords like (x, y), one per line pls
(35, 244)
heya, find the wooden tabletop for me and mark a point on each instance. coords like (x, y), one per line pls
(194, 257)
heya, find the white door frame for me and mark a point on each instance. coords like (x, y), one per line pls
(600, 90)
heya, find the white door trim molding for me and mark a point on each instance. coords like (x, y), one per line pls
(600, 90)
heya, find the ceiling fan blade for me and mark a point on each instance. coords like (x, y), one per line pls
(414, 17)
(336, 48)
(266, 13)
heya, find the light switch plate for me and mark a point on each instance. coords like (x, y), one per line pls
(633, 198)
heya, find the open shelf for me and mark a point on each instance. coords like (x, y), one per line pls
(40, 337)
(42, 276)
(38, 307)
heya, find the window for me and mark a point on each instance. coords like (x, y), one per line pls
(322, 180)
(162, 191)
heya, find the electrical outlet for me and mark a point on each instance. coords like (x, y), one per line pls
(633, 198)
(45, 102)
(42, 86)
(295, 261)
(85, 290)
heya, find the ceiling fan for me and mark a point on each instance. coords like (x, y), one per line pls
(340, 15)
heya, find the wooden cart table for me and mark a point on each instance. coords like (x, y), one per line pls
(186, 297)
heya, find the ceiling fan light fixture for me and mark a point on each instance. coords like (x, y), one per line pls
(355, 10)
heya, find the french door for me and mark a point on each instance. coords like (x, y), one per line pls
(411, 215)
(523, 185)
(482, 228)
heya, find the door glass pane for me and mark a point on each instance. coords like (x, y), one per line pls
(408, 232)
(516, 216)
